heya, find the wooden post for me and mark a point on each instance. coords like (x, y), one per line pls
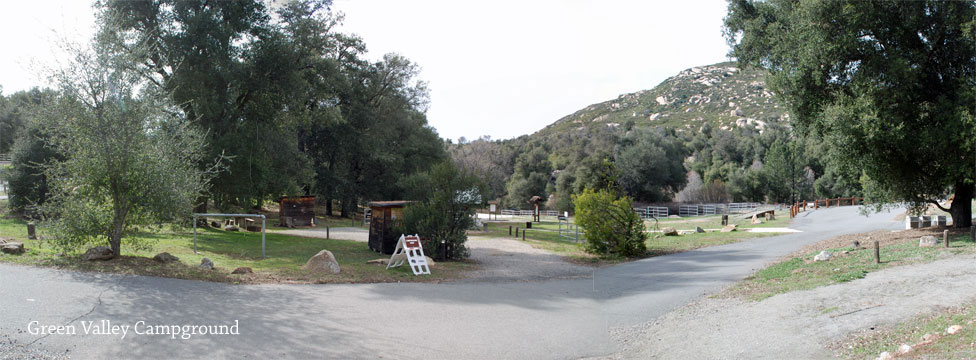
(31, 231)
(516, 231)
(945, 237)
(972, 233)
(510, 230)
(327, 232)
(877, 252)
(523, 234)
(804, 205)
(827, 203)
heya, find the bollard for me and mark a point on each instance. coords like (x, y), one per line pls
(326, 232)
(972, 233)
(945, 237)
(510, 230)
(484, 227)
(523, 234)
(516, 231)
(877, 252)
(31, 231)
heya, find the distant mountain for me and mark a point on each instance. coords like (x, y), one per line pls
(721, 95)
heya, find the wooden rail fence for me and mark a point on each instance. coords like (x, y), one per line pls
(801, 206)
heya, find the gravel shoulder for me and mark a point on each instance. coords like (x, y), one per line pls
(512, 260)
(802, 324)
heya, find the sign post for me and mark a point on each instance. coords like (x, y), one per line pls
(409, 250)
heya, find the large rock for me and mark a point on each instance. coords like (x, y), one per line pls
(165, 258)
(242, 270)
(928, 241)
(669, 231)
(698, 229)
(823, 256)
(98, 253)
(755, 220)
(904, 349)
(323, 262)
(886, 356)
(206, 264)
(12, 247)
(729, 228)
(770, 216)
(952, 330)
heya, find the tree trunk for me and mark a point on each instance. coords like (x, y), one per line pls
(328, 207)
(961, 210)
(201, 208)
(115, 240)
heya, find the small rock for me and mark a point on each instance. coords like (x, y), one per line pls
(952, 330)
(857, 244)
(12, 248)
(669, 231)
(886, 356)
(206, 264)
(698, 229)
(215, 224)
(823, 256)
(904, 349)
(165, 257)
(98, 253)
(242, 270)
(928, 241)
(323, 262)
(729, 228)
(927, 338)
(755, 220)
(430, 261)
(231, 227)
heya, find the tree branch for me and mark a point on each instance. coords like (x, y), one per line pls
(939, 206)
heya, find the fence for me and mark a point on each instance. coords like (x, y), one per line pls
(528, 213)
(652, 212)
(801, 206)
(4, 157)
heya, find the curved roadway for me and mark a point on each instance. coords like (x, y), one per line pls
(554, 319)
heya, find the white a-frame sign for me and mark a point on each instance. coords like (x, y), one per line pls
(409, 250)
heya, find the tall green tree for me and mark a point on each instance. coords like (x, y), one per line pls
(889, 85)
(651, 165)
(128, 161)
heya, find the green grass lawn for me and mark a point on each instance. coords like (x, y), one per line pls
(715, 222)
(802, 273)
(545, 235)
(228, 250)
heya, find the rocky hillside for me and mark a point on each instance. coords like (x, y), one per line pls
(722, 95)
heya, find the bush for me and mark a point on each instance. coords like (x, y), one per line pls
(612, 227)
(446, 198)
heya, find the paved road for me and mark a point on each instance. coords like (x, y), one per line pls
(553, 319)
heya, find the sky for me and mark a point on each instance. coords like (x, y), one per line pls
(501, 68)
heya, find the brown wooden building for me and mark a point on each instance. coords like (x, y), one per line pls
(386, 215)
(296, 211)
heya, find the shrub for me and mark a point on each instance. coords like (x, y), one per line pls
(612, 227)
(446, 199)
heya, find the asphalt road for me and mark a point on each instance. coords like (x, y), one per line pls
(554, 319)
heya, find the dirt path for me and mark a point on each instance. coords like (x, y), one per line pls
(799, 325)
(513, 260)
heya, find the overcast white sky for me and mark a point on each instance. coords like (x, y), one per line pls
(501, 68)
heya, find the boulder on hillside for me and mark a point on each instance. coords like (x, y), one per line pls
(12, 247)
(823, 256)
(669, 231)
(323, 262)
(98, 253)
(928, 241)
(206, 264)
(165, 258)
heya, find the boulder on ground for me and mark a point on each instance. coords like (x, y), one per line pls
(929, 338)
(215, 224)
(770, 216)
(323, 262)
(242, 270)
(430, 261)
(12, 247)
(231, 227)
(928, 241)
(698, 229)
(165, 257)
(823, 256)
(904, 349)
(98, 253)
(755, 220)
(952, 330)
(729, 228)
(886, 356)
(669, 231)
(206, 264)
